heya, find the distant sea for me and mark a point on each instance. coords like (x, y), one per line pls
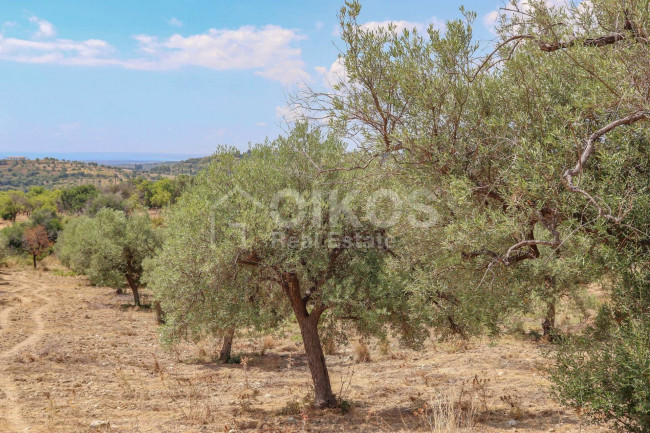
(108, 158)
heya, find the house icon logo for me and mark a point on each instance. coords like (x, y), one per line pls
(241, 192)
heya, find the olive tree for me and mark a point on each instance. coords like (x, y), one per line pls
(109, 248)
(536, 146)
(282, 224)
(441, 114)
(200, 293)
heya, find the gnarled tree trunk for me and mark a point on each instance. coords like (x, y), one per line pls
(133, 279)
(135, 289)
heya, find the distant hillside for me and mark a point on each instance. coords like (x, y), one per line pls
(190, 166)
(53, 173)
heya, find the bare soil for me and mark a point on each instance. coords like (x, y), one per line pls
(75, 358)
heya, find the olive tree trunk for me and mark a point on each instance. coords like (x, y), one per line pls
(226, 347)
(548, 325)
(308, 322)
(324, 397)
(135, 289)
(160, 314)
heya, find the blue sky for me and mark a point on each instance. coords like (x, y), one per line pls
(171, 76)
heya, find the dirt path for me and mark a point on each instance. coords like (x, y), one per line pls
(27, 294)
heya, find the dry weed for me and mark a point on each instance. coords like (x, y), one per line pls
(329, 346)
(447, 414)
(268, 343)
(361, 352)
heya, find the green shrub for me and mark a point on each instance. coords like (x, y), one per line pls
(14, 235)
(3, 248)
(236, 359)
(107, 200)
(608, 379)
(605, 372)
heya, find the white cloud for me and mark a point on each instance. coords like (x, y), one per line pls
(175, 22)
(490, 19)
(289, 114)
(45, 28)
(335, 74)
(66, 127)
(261, 124)
(269, 51)
(62, 51)
(400, 26)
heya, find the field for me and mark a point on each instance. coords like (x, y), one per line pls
(75, 358)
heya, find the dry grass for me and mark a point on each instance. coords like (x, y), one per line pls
(97, 360)
(329, 346)
(268, 343)
(361, 352)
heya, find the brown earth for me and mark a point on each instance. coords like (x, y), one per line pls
(75, 358)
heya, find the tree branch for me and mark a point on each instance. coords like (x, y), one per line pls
(589, 42)
(584, 158)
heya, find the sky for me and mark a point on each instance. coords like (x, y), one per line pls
(171, 76)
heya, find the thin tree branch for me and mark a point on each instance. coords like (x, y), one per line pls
(586, 154)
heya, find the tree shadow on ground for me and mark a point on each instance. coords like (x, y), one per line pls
(269, 362)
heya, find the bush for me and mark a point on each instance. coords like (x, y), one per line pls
(75, 198)
(107, 200)
(14, 235)
(608, 379)
(3, 249)
(605, 372)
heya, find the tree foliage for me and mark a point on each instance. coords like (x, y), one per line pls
(74, 199)
(109, 248)
(12, 203)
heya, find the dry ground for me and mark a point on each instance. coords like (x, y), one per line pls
(73, 355)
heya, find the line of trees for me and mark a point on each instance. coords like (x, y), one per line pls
(88, 199)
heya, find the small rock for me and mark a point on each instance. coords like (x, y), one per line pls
(291, 419)
(98, 423)
(511, 423)
(267, 396)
